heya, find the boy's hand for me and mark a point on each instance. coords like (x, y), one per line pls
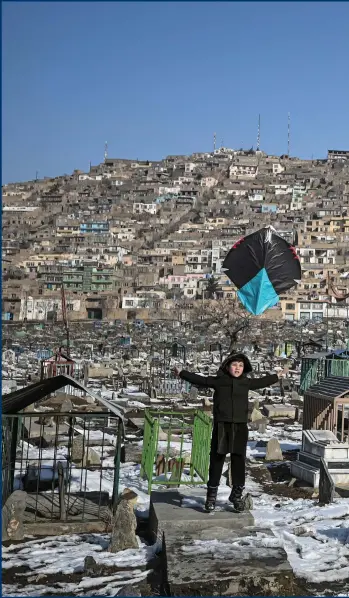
(176, 371)
(282, 373)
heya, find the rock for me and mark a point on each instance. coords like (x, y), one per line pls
(256, 404)
(128, 590)
(274, 452)
(90, 566)
(124, 523)
(12, 516)
(37, 578)
(292, 482)
(82, 454)
(248, 502)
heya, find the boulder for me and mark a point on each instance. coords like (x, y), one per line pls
(13, 515)
(129, 590)
(124, 523)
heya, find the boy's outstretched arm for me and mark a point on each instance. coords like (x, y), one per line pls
(257, 383)
(196, 379)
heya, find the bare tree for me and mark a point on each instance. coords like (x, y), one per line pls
(225, 316)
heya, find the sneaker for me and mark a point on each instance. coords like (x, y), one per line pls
(236, 498)
(211, 498)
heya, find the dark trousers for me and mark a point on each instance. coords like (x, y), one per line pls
(237, 457)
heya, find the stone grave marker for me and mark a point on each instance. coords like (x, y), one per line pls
(274, 452)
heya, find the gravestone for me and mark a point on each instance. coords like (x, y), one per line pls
(193, 394)
(84, 455)
(12, 516)
(256, 415)
(124, 523)
(274, 452)
(262, 426)
(294, 396)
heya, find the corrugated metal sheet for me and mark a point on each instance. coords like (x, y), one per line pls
(20, 399)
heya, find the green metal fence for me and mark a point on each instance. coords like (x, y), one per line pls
(323, 368)
(339, 367)
(310, 378)
(176, 448)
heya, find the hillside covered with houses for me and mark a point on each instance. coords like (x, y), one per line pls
(146, 239)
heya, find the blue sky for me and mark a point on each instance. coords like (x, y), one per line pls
(160, 78)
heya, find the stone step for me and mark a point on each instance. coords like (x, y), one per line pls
(190, 538)
(314, 461)
(311, 474)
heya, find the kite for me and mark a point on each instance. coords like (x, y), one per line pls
(262, 265)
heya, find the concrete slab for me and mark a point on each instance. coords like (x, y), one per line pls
(171, 511)
(280, 411)
(192, 566)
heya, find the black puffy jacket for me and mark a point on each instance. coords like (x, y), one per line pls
(230, 399)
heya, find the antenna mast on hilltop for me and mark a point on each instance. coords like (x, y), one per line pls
(214, 141)
(105, 150)
(259, 133)
(288, 134)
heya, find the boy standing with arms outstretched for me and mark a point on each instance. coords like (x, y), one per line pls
(230, 416)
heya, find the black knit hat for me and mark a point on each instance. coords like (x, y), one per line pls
(237, 357)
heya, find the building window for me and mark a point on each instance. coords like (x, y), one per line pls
(290, 305)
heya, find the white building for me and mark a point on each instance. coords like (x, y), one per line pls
(40, 309)
(278, 168)
(209, 181)
(145, 208)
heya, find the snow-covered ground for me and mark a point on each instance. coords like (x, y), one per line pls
(66, 554)
(315, 539)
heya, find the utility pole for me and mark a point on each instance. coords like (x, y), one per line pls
(259, 133)
(288, 134)
(65, 319)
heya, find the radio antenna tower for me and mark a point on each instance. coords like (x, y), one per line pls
(288, 134)
(105, 150)
(259, 133)
(214, 141)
